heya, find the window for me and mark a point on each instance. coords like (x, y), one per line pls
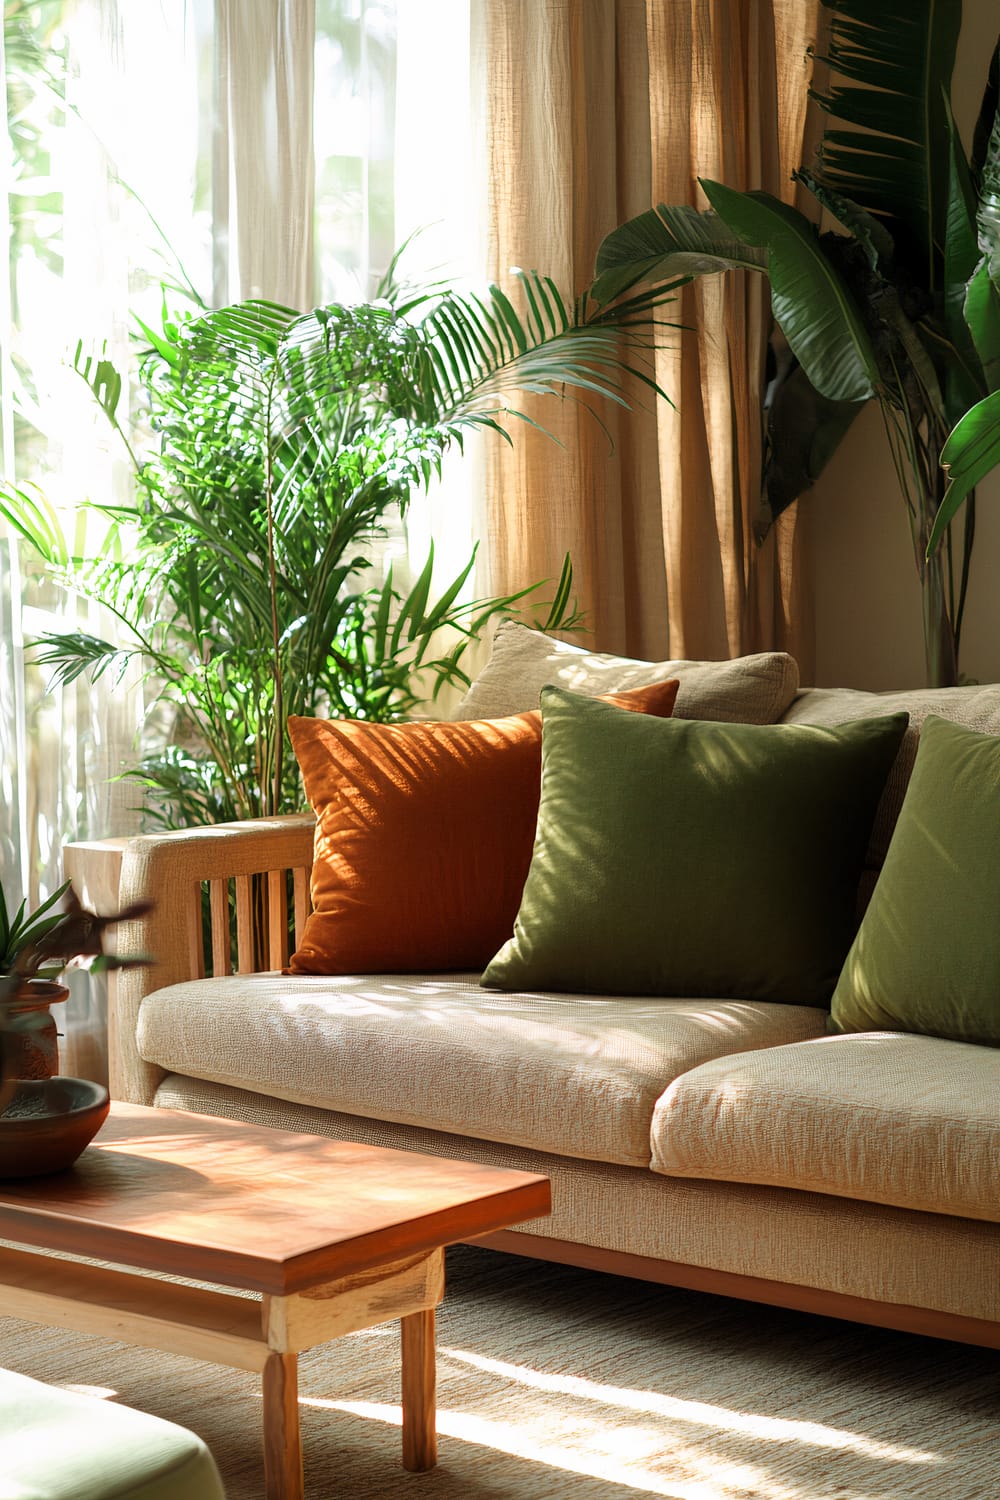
(155, 145)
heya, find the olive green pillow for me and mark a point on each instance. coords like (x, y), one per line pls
(927, 955)
(687, 858)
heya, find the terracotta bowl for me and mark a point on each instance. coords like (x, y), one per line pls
(47, 1123)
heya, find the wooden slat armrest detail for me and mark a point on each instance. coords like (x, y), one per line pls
(168, 869)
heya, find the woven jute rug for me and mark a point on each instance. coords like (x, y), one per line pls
(557, 1384)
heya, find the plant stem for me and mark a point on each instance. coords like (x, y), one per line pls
(919, 482)
(277, 716)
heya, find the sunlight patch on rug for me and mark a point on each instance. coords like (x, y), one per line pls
(611, 1454)
(777, 1429)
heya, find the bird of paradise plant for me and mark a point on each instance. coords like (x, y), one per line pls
(900, 303)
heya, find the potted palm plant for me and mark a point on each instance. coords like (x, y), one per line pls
(900, 303)
(281, 448)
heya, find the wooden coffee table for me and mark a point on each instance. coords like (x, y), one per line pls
(335, 1236)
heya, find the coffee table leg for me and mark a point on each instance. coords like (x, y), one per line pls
(282, 1441)
(419, 1391)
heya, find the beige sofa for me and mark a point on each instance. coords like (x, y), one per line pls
(723, 1145)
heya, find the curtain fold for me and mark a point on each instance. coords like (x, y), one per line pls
(566, 156)
(593, 111)
(263, 156)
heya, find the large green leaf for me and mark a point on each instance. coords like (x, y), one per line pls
(669, 244)
(810, 300)
(982, 317)
(873, 237)
(802, 431)
(971, 452)
(900, 54)
(964, 379)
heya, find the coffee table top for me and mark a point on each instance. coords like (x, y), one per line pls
(250, 1207)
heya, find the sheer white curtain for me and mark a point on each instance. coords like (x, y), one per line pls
(436, 202)
(85, 116)
(237, 148)
(262, 161)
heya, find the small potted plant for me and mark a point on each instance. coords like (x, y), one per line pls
(46, 1120)
(29, 986)
(35, 948)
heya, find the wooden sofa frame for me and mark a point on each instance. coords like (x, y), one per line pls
(109, 874)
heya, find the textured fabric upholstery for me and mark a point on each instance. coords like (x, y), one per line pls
(680, 858)
(976, 707)
(885, 1117)
(61, 1445)
(750, 690)
(577, 1075)
(808, 1239)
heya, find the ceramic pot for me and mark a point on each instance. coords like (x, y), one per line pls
(47, 1122)
(31, 1045)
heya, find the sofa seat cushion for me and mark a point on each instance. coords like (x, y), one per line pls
(577, 1075)
(897, 1119)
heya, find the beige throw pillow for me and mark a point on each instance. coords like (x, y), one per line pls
(749, 690)
(977, 707)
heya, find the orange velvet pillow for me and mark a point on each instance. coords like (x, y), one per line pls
(424, 835)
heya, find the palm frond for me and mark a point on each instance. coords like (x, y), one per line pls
(546, 350)
(31, 516)
(74, 652)
(895, 58)
(284, 443)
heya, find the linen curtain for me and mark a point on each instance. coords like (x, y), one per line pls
(592, 111)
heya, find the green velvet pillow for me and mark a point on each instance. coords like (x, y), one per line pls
(680, 857)
(927, 955)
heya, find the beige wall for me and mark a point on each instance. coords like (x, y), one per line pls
(867, 597)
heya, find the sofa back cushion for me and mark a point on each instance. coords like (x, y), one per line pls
(976, 707)
(749, 690)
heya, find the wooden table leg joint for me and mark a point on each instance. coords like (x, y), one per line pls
(407, 1291)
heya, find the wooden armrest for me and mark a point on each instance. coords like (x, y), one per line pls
(170, 869)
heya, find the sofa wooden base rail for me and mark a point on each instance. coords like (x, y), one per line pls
(923, 1320)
